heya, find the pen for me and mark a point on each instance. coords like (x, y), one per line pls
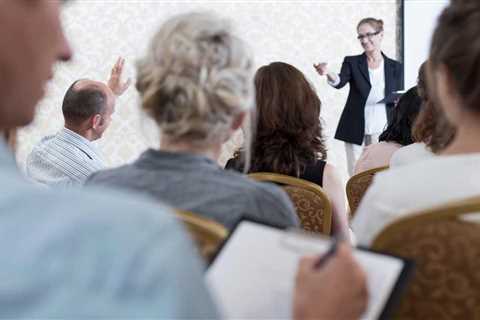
(331, 251)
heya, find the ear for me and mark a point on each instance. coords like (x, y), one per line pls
(238, 120)
(96, 121)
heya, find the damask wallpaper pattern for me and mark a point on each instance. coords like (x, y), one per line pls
(296, 32)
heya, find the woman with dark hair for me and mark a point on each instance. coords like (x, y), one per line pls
(288, 137)
(397, 134)
(452, 175)
(431, 131)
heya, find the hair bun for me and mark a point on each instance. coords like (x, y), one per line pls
(195, 78)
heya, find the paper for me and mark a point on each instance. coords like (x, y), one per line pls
(254, 274)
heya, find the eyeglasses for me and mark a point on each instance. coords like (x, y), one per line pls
(368, 35)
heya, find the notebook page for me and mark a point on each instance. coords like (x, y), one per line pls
(254, 274)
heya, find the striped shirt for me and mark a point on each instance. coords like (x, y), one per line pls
(64, 159)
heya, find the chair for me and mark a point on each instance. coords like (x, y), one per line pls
(445, 244)
(357, 185)
(206, 233)
(311, 203)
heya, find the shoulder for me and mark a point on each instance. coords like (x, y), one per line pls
(330, 172)
(394, 63)
(263, 192)
(352, 60)
(258, 189)
(121, 175)
(410, 154)
(103, 228)
(354, 57)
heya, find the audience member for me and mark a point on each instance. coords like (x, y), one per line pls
(453, 84)
(69, 157)
(196, 83)
(397, 134)
(288, 136)
(431, 131)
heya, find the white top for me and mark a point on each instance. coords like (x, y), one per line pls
(400, 191)
(410, 154)
(375, 113)
(64, 159)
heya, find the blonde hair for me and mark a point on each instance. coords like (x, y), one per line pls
(196, 77)
(376, 24)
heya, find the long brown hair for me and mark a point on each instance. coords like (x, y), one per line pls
(289, 132)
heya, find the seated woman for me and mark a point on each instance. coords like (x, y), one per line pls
(431, 131)
(288, 136)
(453, 82)
(397, 134)
(196, 82)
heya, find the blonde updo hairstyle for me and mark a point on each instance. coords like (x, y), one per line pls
(376, 24)
(196, 79)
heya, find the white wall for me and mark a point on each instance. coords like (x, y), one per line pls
(420, 18)
(297, 32)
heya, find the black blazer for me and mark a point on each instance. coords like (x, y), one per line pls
(351, 127)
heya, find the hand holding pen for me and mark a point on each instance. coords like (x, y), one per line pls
(336, 280)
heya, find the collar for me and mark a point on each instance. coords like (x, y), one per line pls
(81, 143)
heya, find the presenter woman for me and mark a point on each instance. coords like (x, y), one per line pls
(372, 76)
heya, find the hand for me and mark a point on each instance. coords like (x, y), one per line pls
(321, 68)
(335, 291)
(115, 81)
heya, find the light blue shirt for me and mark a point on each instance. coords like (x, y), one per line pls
(64, 159)
(93, 253)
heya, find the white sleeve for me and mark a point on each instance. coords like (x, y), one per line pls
(334, 83)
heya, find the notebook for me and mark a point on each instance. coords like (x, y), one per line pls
(253, 274)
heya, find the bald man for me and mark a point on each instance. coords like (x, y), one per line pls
(69, 157)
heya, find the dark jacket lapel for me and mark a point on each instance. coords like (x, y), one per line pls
(363, 66)
(389, 69)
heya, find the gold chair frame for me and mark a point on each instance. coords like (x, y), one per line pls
(201, 229)
(352, 203)
(300, 183)
(449, 211)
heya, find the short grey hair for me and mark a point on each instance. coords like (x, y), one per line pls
(196, 77)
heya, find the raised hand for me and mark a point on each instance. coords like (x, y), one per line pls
(321, 68)
(115, 81)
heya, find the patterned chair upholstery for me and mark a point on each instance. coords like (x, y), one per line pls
(445, 245)
(207, 234)
(311, 203)
(357, 185)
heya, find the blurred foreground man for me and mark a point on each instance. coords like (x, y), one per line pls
(109, 254)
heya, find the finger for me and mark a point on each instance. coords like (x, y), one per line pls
(120, 65)
(127, 84)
